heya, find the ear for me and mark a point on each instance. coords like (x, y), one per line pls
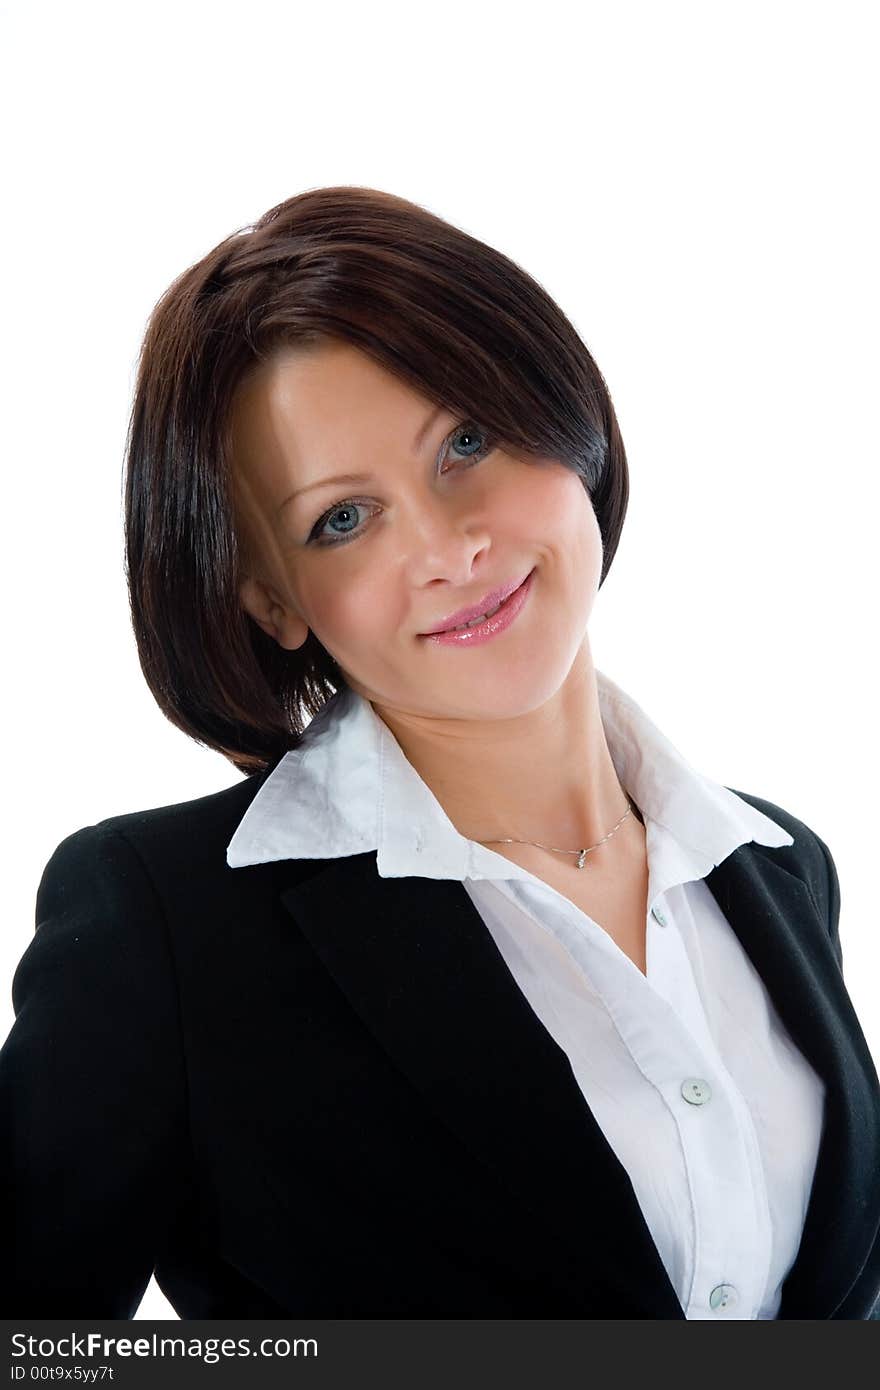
(278, 621)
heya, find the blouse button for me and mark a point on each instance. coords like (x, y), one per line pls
(723, 1296)
(696, 1091)
(658, 916)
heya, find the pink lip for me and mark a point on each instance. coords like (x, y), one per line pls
(464, 615)
(490, 627)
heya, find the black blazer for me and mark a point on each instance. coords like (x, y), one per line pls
(297, 1089)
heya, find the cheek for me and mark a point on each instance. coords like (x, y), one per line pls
(558, 504)
(344, 609)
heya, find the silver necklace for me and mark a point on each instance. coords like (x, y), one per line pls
(581, 853)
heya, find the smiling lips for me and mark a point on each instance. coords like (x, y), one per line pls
(469, 617)
(482, 628)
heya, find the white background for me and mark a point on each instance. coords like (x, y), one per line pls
(693, 182)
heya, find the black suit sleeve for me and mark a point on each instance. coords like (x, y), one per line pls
(870, 1275)
(92, 1090)
(832, 900)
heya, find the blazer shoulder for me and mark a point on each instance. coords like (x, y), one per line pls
(803, 835)
(180, 848)
(213, 813)
(808, 858)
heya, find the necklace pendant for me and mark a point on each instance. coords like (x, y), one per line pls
(581, 857)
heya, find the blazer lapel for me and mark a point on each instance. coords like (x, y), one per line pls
(418, 964)
(774, 917)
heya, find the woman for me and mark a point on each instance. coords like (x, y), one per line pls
(473, 998)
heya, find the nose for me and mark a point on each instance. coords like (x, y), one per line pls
(447, 540)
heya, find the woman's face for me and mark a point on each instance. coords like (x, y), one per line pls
(439, 517)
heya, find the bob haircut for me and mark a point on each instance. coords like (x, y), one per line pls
(444, 312)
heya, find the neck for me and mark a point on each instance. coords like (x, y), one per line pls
(544, 776)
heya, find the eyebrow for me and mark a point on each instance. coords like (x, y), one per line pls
(417, 446)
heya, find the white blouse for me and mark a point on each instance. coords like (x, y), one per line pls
(701, 1093)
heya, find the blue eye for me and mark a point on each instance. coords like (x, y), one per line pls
(470, 431)
(344, 509)
(347, 509)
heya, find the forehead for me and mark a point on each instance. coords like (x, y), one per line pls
(311, 409)
(317, 384)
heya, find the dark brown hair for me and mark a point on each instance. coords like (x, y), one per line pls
(446, 313)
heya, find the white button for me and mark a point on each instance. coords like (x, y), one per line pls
(723, 1296)
(696, 1091)
(658, 916)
